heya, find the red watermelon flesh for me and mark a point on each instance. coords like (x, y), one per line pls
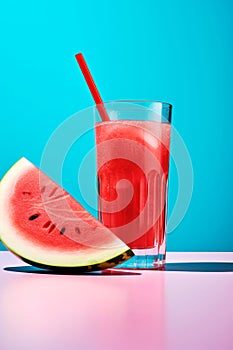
(44, 225)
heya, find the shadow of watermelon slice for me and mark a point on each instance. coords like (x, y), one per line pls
(46, 227)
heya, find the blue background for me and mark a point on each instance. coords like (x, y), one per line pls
(176, 51)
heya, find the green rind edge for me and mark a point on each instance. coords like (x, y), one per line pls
(95, 267)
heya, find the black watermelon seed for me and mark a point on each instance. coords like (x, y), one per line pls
(33, 217)
(47, 224)
(26, 193)
(52, 227)
(62, 230)
(77, 230)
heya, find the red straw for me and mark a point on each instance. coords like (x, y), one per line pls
(91, 84)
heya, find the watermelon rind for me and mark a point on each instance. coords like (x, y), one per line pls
(111, 263)
(90, 259)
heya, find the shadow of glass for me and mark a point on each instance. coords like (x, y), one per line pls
(36, 270)
(200, 266)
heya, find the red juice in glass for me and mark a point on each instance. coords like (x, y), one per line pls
(132, 170)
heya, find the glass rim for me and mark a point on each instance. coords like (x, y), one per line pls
(162, 103)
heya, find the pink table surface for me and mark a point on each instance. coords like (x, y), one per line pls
(188, 307)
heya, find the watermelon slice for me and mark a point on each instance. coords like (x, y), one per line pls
(46, 227)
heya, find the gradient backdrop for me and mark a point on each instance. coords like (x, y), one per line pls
(171, 50)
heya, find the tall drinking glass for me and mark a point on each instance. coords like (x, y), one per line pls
(132, 151)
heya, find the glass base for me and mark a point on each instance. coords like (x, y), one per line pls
(144, 259)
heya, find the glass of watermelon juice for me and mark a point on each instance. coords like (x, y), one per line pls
(132, 151)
